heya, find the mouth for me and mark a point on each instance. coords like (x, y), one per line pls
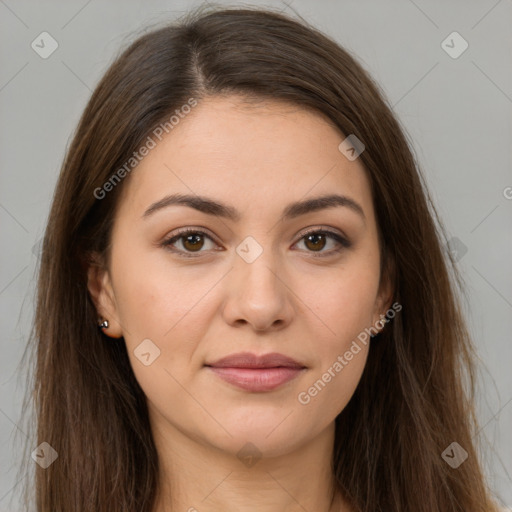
(256, 373)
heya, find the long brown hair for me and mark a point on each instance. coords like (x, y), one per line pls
(415, 396)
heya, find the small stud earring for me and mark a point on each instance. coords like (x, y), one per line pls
(103, 325)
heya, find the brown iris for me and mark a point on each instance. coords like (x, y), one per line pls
(317, 241)
(195, 240)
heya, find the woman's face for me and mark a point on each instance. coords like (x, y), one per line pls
(248, 279)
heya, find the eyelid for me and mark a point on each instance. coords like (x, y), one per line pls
(195, 229)
(324, 229)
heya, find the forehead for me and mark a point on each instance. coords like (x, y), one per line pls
(257, 155)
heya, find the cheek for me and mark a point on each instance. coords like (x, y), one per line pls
(343, 307)
(154, 296)
(342, 302)
(158, 308)
(161, 308)
(340, 345)
(330, 389)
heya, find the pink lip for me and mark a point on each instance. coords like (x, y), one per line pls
(256, 373)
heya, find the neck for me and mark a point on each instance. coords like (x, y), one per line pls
(198, 477)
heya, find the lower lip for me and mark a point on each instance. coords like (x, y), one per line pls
(257, 379)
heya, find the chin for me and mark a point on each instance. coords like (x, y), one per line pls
(249, 446)
(269, 435)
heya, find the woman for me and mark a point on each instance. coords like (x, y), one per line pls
(243, 299)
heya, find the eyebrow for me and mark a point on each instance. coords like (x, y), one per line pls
(293, 210)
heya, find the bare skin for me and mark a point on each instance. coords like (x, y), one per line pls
(305, 299)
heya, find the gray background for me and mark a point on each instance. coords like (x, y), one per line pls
(456, 111)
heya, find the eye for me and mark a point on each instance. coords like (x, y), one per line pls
(316, 240)
(192, 241)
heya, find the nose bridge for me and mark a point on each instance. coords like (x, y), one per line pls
(257, 262)
(258, 294)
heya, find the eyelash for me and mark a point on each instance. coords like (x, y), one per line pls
(167, 243)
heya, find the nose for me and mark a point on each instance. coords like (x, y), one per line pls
(257, 294)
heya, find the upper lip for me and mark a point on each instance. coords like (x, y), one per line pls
(249, 360)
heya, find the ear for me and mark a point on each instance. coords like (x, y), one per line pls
(100, 288)
(384, 296)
